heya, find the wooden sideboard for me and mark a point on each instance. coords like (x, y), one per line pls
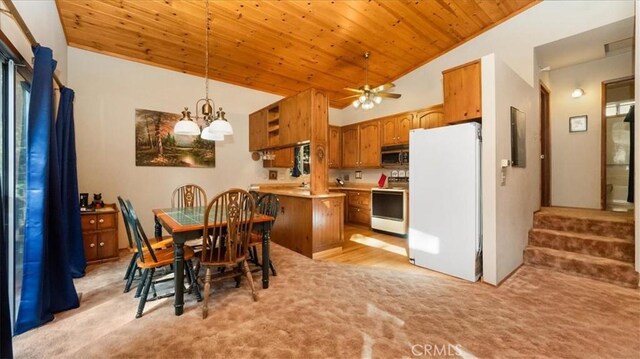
(100, 234)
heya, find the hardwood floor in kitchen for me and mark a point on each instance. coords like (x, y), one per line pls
(362, 246)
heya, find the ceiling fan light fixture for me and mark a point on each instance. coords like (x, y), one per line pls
(377, 99)
(356, 103)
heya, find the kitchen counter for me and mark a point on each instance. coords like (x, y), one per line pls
(298, 192)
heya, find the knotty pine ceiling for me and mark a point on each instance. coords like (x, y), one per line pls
(283, 47)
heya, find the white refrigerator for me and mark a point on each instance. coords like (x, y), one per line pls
(445, 219)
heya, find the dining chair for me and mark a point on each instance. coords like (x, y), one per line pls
(157, 244)
(228, 220)
(268, 204)
(150, 259)
(188, 195)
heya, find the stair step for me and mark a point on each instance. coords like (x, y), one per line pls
(598, 246)
(593, 222)
(603, 269)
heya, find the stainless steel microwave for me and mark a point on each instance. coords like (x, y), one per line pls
(395, 156)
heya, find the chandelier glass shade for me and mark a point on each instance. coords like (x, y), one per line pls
(186, 126)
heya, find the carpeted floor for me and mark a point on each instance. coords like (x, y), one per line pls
(319, 310)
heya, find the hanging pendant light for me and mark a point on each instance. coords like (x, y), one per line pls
(208, 133)
(186, 126)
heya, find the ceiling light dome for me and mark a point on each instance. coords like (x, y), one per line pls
(186, 126)
(210, 136)
(220, 125)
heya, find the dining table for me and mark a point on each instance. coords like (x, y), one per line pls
(188, 223)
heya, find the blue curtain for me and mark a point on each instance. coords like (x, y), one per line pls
(70, 216)
(47, 285)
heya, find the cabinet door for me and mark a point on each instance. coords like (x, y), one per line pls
(335, 146)
(403, 125)
(284, 158)
(388, 131)
(359, 216)
(429, 118)
(107, 245)
(462, 93)
(90, 241)
(350, 146)
(369, 148)
(258, 138)
(300, 129)
(287, 120)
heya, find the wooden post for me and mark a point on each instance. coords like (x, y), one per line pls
(319, 146)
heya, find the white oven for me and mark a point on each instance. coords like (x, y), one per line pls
(389, 210)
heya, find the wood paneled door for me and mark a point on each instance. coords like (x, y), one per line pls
(545, 147)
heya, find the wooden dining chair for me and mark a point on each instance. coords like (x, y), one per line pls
(188, 195)
(228, 220)
(156, 244)
(268, 204)
(150, 259)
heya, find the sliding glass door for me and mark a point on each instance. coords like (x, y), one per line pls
(15, 86)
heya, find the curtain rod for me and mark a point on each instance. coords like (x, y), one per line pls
(13, 12)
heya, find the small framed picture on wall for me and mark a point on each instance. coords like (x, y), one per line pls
(578, 123)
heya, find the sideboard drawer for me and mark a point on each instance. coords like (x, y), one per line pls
(106, 221)
(89, 222)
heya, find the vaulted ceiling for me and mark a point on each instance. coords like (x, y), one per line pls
(283, 47)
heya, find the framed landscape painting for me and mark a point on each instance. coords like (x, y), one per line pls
(157, 145)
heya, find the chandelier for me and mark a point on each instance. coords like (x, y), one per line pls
(215, 127)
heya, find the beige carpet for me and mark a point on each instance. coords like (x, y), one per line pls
(318, 310)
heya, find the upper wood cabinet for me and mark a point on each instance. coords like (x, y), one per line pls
(283, 159)
(431, 117)
(258, 138)
(462, 93)
(295, 119)
(284, 123)
(335, 147)
(361, 145)
(395, 129)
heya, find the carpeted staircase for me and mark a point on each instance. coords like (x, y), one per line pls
(583, 242)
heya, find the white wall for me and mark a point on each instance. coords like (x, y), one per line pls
(512, 41)
(41, 16)
(508, 218)
(575, 157)
(108, 90)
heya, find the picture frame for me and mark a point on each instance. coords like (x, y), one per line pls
(578, 123)
(273, 175)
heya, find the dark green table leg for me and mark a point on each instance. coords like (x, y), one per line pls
(266, 236)
(158, 227)
(178, 266)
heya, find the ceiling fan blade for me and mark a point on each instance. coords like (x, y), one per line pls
(353, 90)
(383, 87)
(348, 97)
(389, 95)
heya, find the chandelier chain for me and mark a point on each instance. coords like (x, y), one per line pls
(206, 52)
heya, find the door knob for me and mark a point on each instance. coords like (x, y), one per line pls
(93, 221)
(101, 220)
(92, 245)
(101, 244)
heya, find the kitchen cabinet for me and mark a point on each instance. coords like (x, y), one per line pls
(335, 147)
(359, 207)
(283, 159)
(309, 225)
(394, 129)
(258, 138)
(361, 145)
(431, 117)
(284, 123)
(100, 234)
(462, 93)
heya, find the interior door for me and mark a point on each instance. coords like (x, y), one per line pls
(545, 148)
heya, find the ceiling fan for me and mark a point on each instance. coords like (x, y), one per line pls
(367, 97)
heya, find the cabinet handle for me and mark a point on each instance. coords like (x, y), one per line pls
(93, 221)
(92, 245)
(465, 114)
(282, 210)
(101, 220)
(101, 244)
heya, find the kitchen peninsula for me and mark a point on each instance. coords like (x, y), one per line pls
(310, 220)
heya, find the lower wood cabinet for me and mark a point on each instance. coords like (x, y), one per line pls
(359, 207)
(100, 234)
(309, 225)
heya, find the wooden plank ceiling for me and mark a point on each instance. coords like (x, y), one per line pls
(283, 47)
